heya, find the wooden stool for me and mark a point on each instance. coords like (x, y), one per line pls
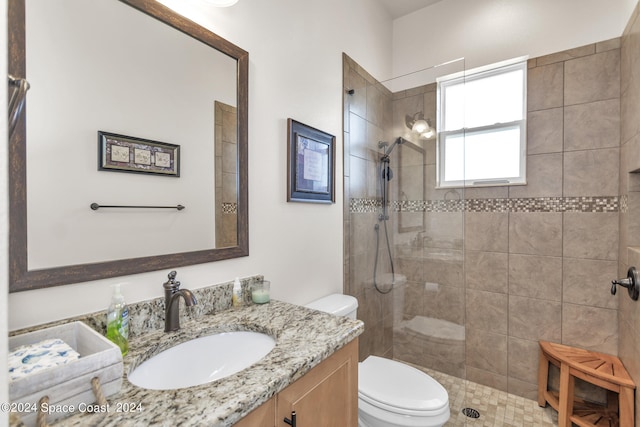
(600, 369)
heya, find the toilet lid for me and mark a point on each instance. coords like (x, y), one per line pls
(400, 386)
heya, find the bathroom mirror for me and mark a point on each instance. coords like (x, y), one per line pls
(154, 79)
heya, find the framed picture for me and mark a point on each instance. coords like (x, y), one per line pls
(120, 153)
(310, 164)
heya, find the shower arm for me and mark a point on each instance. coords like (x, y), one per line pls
(399, 140)
(17, 100)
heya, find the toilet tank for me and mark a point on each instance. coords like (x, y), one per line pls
(338, 304)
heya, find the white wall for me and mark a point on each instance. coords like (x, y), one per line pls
(488, 31)
(4, 205)
(295, 50)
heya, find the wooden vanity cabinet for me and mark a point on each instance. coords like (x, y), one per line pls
(326, 396)
(263, 416)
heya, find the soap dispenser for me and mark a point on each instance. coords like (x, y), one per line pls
(118, 320)
(236, 298)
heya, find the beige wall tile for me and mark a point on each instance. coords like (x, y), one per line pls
(545, 131)
(487, 351)
(486, 271)
(544, 177)
(590, 327)
(588, 282)
(499, 192)
(446, 303)
(630, 161)
(364, 178)
(429, 147)
(444, 230)
(535, 233)
(448, 273)
(370, 312)
(413, 300)
(358, 136)
(565, 55)
(630, 84)
(534, 319)
(487, 378)
(633, 226)
(358, 101)
(535, 276)
(406, 349)
(580, 168)
(524, 389)
(374, 134)
(592, 125)
(486, 311)
(430, 106)
(346, 153)
(486, 231)
(523, 360)
(545, 87)
(403, 107)
(629, 349)
(610, 44)
(592, 78)
(629, 308)
(591, 235)
(363, 237)
(411, 268)
(623, 242)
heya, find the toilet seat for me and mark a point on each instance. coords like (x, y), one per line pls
(399, 388)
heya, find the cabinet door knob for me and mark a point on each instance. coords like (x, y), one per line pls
(292, 421)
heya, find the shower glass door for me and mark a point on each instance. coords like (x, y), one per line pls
(429, 310)
(404, 236)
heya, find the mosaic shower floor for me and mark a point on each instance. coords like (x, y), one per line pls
(497, 408)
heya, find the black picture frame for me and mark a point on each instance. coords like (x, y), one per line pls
(310, 164)
(121, 153)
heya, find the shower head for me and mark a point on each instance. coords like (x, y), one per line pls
(399, 140)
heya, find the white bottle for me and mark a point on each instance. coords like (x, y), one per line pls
(236, 298)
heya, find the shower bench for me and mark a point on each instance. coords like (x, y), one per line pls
(603, 370)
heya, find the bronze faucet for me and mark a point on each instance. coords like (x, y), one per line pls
(171, 293)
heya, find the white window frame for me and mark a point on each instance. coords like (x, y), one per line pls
(476, 74)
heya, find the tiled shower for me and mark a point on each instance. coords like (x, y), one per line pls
(501, 267)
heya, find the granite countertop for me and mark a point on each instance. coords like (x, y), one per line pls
(304, 338)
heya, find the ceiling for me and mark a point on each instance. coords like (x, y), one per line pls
(398, 8)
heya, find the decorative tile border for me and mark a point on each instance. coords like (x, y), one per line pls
(364, 205)
(534, 204)
(229, 208)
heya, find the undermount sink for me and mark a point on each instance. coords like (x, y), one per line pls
(202, 360)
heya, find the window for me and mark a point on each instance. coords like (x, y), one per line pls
(482, 126)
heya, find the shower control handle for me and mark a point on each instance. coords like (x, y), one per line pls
(631, 282)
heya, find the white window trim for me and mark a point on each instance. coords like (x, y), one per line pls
(470, 75)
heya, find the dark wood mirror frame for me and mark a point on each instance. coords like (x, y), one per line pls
(20, 277)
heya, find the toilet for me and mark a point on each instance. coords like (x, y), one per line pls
(390, 393)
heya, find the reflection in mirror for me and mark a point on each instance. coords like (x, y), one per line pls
(226, 175)
(108, 67)
(411, 159)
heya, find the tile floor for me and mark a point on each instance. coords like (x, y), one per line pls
(497, 408)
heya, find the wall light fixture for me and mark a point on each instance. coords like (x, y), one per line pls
(419, 125)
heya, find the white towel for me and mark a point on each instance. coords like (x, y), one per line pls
(28, 359)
